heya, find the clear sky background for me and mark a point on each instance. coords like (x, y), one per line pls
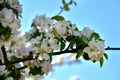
(101, 15)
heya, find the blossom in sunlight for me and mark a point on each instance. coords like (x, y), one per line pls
(45, 46)
(95, 49)
(44, 56)
(61, 28)
(21, 51)
(86, 32)
(32, 53)
(73, 30)
(6, 17)
(46, 67)
(32, 63)
(42, 21)
(53, 43)
(15, 4)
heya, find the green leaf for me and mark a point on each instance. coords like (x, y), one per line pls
(94, 35)
(51, 54)
(101, 61)
(35, 34)
(58, 18)
(14, 72)
(106, 56)
(7, 33)
(36, 71)
(71, 1)
(62, 45)
(2, 29)
(85, 56)
(13, 58)
(85, 40)
(66, 7)
(79, 41)
(79, 53)
(63, 1)
(74, 3)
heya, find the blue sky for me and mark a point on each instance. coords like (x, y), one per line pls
(101, 15)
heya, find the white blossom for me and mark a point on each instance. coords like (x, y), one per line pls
(42, 21)
(95, 49)
(61, 28)
(6, 17)
(15, 25)
(15, 4)
(44, 56)
(73, 30)
(45, 46)
(53, 43)
(20, 51)
(46, 67)
(86, 32)
(32, 63)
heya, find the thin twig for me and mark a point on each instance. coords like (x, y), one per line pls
(61, 10)
(109, 48)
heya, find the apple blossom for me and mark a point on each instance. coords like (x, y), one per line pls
(95, 49)
(34, 50)
(46, 67)
(86, 32)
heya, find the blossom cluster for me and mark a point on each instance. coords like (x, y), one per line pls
(30, 53)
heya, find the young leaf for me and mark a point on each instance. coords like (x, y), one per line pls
(7, 33)
(79, 53)
(51, 54)
(66, 7)
(85, 56)
(85, 40)
(101, 61)
(2, 29)
(94, 35)
(106, 56)
(71, 1)
(62, 46)
(58, 18)
(35, 71)
(13, 58)
(14, 72)
(63, 1)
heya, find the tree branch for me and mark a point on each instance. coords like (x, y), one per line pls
(75, 50)
(30, 57)
(65, 51)
(110, 48)
(22, 60)
(6, 62)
